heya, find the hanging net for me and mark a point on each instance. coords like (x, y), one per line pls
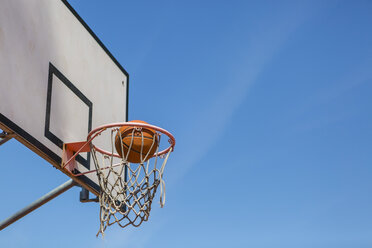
(127, 189)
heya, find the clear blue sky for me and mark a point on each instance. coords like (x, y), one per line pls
(270, 103)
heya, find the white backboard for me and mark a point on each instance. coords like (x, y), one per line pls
(57, 80)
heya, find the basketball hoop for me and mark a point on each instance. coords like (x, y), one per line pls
(127, 188)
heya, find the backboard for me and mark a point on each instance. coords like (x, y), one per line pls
(57, 80)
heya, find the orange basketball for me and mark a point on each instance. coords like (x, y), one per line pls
(142, 142)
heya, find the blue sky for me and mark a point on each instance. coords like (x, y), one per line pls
(270, 103)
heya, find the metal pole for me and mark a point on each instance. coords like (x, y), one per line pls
(4, 137)
(39, 202)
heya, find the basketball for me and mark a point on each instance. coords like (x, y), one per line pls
(138, 145)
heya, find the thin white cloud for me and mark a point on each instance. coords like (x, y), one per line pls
(333, 92)
(215, 117)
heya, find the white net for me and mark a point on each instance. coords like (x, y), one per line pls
(128, 189)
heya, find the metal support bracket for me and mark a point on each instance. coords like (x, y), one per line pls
(39, 202)
(4, 137)
(84, 196)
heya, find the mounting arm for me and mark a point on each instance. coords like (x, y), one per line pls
(4, 137)
(39, 202)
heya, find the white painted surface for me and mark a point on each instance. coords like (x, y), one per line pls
(34, 33)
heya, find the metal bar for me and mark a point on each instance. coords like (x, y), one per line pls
(3, 134)
(84, 196)
(4, 137)
(39, 202)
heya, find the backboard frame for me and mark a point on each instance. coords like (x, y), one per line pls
(38, 147)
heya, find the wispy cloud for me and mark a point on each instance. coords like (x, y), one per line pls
(217, 113)
(334, 92)
(259, 52)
